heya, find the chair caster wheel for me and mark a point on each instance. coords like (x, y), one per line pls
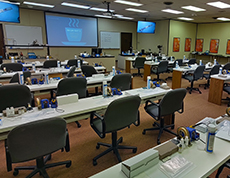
(94, 162)
(68, 164)
(200, 92)
(143, 132)
(15, 173)
(134, 150)
(190, 92)
(158, 142)
(98, 146)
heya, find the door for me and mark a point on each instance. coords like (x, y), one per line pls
(2, 47)
(126, 42)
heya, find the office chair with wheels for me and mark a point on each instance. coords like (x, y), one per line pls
(50, 63)
(162, 68)
(170, 69)
(226, 67)
(12, 67)
(74, 62)
(14, 95)
(197, 74)
(120, 114)
(121, 81)
(35, 140)
(139, 64)
(192, 61)
(171, 102)
(71, 71)
(215, 70)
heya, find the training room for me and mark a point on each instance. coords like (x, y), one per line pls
(114, 88)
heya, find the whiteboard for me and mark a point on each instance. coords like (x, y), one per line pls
(22, 35)
(110, 40)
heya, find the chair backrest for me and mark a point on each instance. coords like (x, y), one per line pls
(15, 78)
(162, 67)
(34, 139)
(192, 61)
(121, 81)
(71, 71)
(26, 74)
(14, 95)
(169, 58)
(180, 62)
(139, 62)
(226, 67)
(172, 102)
(12, 67)
(50, 63)
(198, 73)
(215, 70)
(72, 85)
(74, 62)
(88, 70)
(121, 113)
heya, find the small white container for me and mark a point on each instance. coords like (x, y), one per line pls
(210, 138)
(33, 66)
(148, 82)
(104, 88)
(114, 71)
(21, 78)
(46, 78)
(79, 63)
(200, 62)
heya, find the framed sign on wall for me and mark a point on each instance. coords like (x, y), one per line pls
(176, 44)
(214, 45)
(228, 47)
(199, 45)
(187, 47)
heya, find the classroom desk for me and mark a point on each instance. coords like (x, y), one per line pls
(216, 88)
(204, 163)
(77, 111)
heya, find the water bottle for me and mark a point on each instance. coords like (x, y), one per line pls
(47, 58)
(171, 59)
(79, 63)
(148, 82)
(184, 58)
(104, 88)
(75, 56)
(46, 78)
(12, 59)
(200, 63)
(220, 71)
(114, 71)
(156, 59)
(177, 65)
(210, 138)
(59, 64)
(33, 66)
(214, 61)
(21, 78)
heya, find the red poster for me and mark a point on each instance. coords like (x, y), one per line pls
(176, 44)
(187, 44)
(228, 47)
(199, 45)
(214, 44)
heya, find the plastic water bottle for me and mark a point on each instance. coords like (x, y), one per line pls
(156, 59)
(75, 56)
(184, 58)
(214, 61)
(114, 71)
(79, 63)
(200, 63)
(59, 64)
(177, 65)
(21, 78)
(104, 88)
(171, 59)
(148, 82)
(33, 66)
(12, 59)
(210, 138)
(47, 58)
(220, 71)
(46, 78)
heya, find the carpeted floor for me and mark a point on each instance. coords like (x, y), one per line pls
(83, 140)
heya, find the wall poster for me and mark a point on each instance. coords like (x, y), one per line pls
(228, 47)
(187, 47)
(199, 45)
(176, 44)
(214, 45)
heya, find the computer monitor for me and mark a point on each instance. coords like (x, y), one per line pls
(96, 51)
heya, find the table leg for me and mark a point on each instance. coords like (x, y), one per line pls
(147, 71)
(127, 66)
(176, 79)
(215, 91)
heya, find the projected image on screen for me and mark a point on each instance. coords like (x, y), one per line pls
(9, 12)
(146, 27)
(63, 30)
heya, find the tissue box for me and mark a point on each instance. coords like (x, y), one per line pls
(67, 99)
(203, 127)
(140, 163)
(98, 75)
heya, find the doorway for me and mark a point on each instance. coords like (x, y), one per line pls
(126, 42)
(2, 45)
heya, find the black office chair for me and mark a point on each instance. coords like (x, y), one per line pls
(162, 68)
(226, 88)
(215, 70)
(226, 67)
(139, 64)
(169, 58)
(50, 63)
(192, 61)
(15, 78)
(170, 69)
(74, 62)
(120, 114)
(35, 140)
(197, 74)
(14, 95)
(12, 67)
(121, 81)
(71, 71)
(227, 165)
(172, 102)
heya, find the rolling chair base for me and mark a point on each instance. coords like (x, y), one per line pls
(227, 99)
(196, 89)
(137, 74)
(113, 147)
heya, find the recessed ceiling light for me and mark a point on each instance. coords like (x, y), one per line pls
(74, 5)
(128, 3)
(100, 9)
(122, 17)
(136, 10)
(38, 4)
(172, 11)
(104, 16)
(193, 8)
(184, 18)
(223, 19)
(219, 4)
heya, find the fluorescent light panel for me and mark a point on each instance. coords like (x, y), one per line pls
(38, 4)
(136, 10)
(193, 8)
(128, 3)
(100, 9)
(223, 19)
(122, 17)
(104, 16)
(219, 4)
(172, 11)
(74, 5)
(18, 3)
(184, 18)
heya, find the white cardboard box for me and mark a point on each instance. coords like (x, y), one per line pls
(140, 163)
(66, 99)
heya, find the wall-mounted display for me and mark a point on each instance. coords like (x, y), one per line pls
(176, 44)
(187, 47)
(228, 47)
(214, 45)
(199, 45)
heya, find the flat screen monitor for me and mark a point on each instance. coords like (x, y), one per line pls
(71, 30)
(96, 51)
(146, 27)
(9, 12)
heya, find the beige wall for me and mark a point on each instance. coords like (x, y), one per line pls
(182, 30)
(151, 41)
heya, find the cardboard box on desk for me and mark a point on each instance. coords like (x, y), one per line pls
(140, 163)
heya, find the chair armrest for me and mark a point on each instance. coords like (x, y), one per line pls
(137, 123)
(67, 145)
(100, 134)
(182, 109)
